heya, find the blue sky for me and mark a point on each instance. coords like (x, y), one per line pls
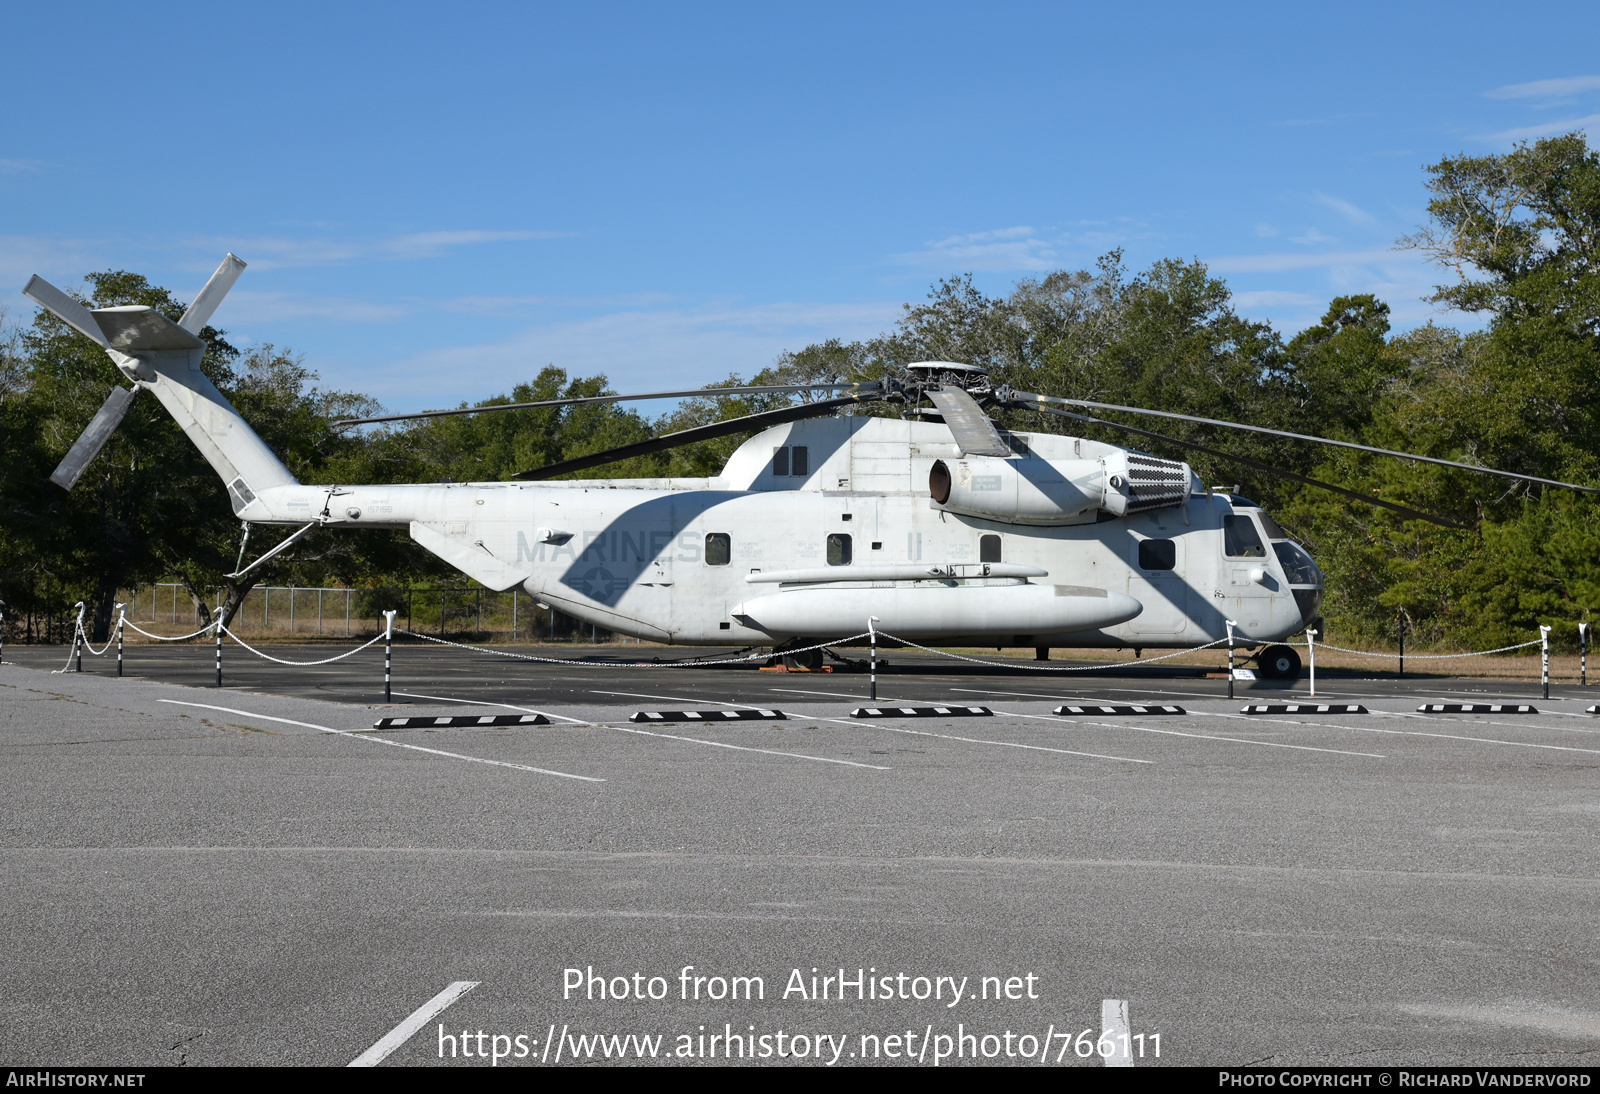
(438, 200)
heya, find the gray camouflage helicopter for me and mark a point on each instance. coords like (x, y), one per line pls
(939, 527)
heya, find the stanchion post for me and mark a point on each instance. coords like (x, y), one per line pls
(122, 611)
(1583, 655)
(1401, 620)
(388, 652)
(1230, 657)
(77, 636)
(872, 634)
(1544, 658)
(1311, 648)
(218, 625)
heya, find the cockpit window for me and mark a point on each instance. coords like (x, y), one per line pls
(1297, 565)
(1240, 539)
(1270, 526)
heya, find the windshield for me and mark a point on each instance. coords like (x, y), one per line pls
(1270, 526)
(1297, 565)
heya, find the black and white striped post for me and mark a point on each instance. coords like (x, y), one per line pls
(1583, 655)
(122, 612)
(872, 635)
(388, 653)
(1401, 620)
(1544, 658)
(218, 625)
(77, 636)
(1229, 622)
(1311, 648)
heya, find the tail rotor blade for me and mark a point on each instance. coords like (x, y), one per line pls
(77, 316)
(199, 313)
(94, 438)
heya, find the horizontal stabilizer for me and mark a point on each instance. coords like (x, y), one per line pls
(136, 328)
(47, 296)
(94, 437)
(199, 313)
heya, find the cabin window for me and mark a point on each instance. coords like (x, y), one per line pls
(1270, 526)
(795, 460)
(1239, 538)
(989, 549)
(1157, 554)
(839, 551)
(719, 549)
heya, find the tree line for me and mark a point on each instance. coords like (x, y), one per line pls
(1516, 235)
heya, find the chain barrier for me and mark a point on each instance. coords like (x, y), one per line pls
(1034, 665)
(1422, 656)
(303, 664)
(207, 629)
(635, 664)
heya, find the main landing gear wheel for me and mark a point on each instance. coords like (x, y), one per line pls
(1279, 663)
(806, 659)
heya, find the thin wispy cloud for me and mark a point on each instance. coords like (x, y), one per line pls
(1272, 298)
(1546, 89)
(1282, 262)
(1351, 212)
(20, 167)
(278, 252)
(511, 307)
(1265, 230)
(634, 349)
(1311, 236)
(245, 307)
(1528, 132)
(1003, 249)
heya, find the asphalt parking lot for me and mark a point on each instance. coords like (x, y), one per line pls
(252, 875)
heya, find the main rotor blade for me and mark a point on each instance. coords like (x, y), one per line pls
(94, 437)
(973, 430)
(77, 316)
(690, 436)
(200, 310)
(1023, 397)
(776, 389)
(1413, 514)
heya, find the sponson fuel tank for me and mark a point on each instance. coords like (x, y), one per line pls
(914, 612)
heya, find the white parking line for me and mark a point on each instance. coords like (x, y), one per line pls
(1114, 1026)
(420, 1017)
(743, 748)
(1236, 740)
(386, 741)
(1009, 744)
(1480, 740)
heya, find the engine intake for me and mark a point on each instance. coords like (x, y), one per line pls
(1043, 492)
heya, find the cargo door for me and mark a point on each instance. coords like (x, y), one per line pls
(1156, 581)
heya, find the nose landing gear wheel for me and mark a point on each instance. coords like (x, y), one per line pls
(1279, 663)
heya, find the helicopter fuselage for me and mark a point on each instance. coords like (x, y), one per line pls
(815, 527)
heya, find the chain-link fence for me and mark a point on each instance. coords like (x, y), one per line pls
(304, 613)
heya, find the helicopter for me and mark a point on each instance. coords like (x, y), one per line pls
(938, 527)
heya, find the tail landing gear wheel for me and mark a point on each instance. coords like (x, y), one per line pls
(1279, 663)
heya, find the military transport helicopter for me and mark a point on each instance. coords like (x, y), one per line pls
(940, 526)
